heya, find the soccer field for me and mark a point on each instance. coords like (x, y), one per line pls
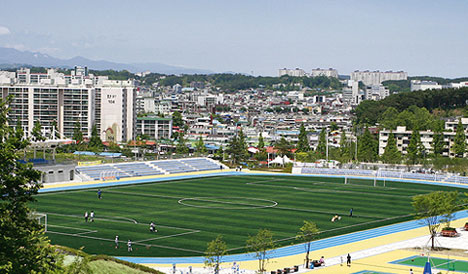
(190, 213)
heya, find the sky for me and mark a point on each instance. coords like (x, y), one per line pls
(422, 37)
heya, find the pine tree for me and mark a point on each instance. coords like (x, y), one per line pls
(303, 142)
(233, 150)
(459, 142)
(438, 143)
(367, 147)
(242, 146)
(261, 143)
(322, 142)
(415, 147)
(77, 134)
(391, 155)
(181, 147)
(95, 140)
(344, 147)
(37, 132)
(283, 147)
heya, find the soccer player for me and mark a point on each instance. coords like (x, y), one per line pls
(91, 216)
(99, 194)
(351, 212)
(116, 242)
(153, 227)
(129, 245)
(86, 216)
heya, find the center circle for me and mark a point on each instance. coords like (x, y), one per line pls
(227, 202)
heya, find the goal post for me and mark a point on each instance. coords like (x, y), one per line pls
(41, 219)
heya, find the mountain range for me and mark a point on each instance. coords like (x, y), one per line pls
(14, 58)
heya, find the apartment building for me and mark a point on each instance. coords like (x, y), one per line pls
(155, 127)
(330, 72)
(370, 78)
(56, 98)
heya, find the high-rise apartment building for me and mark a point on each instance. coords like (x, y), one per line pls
(370, 78)
(324, 72)
(54, 98)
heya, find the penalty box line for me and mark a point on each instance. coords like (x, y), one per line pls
(168, 236)
(125, 222)
(120, 241)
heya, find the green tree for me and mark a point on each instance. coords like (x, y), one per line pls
(391, 155)
(388, 119)
(303, 142)
(200, 145)
(415, 147)
(344, 147)
(459, 142)
(322, 142)
(55, 131)
(283, 147)
(181, 146)
(261, 143)
(308, 232)
(95, 141)
(215, 252)
(177, 119)
(243, 152)
(233, 150)
(333, 126)
(438, 144)
(37, 132)
(433, 208)
(261, 244)
(23, 245)
(77, 134)
(367, 147)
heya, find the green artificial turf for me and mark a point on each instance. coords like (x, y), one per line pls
(190, 213)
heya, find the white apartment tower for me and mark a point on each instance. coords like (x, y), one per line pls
(370, 78)
(54, 97)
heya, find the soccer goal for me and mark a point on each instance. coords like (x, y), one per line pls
(41, 218)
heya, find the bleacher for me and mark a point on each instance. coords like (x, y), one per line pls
(138, 169)
(173, 166)
(95, 172)
(201, 164)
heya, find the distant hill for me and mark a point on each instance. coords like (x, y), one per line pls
(14, 58)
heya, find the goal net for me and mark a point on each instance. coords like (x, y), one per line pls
(41, 218)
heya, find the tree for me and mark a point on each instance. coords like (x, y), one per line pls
(37, 132)
(391, 155)
(308, 232)
(77, 134)
(23, 246)
(261, 143)
(333, 126)
(233, 150)
(434, 208)
(438, 144)
(459, 142)
(344, 147)
(260, 244)
(389, 119)
(181, 147)
(177, 120)
(322, 142)
(214, 253)
(367, 147)
(415, 148)
(200, 145)
(95, 140)
(243, 152)
(303, 142)
(283, 147)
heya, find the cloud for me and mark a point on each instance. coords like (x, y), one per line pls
(4, 30)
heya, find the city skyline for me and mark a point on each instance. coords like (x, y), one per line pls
(420, 37)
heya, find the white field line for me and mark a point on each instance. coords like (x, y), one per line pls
(92, 231)
(168, 236)
(69, 227)
(119, 221)
(112, 240)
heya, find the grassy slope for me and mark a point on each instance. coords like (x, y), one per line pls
(298, 198)
(105, 267)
